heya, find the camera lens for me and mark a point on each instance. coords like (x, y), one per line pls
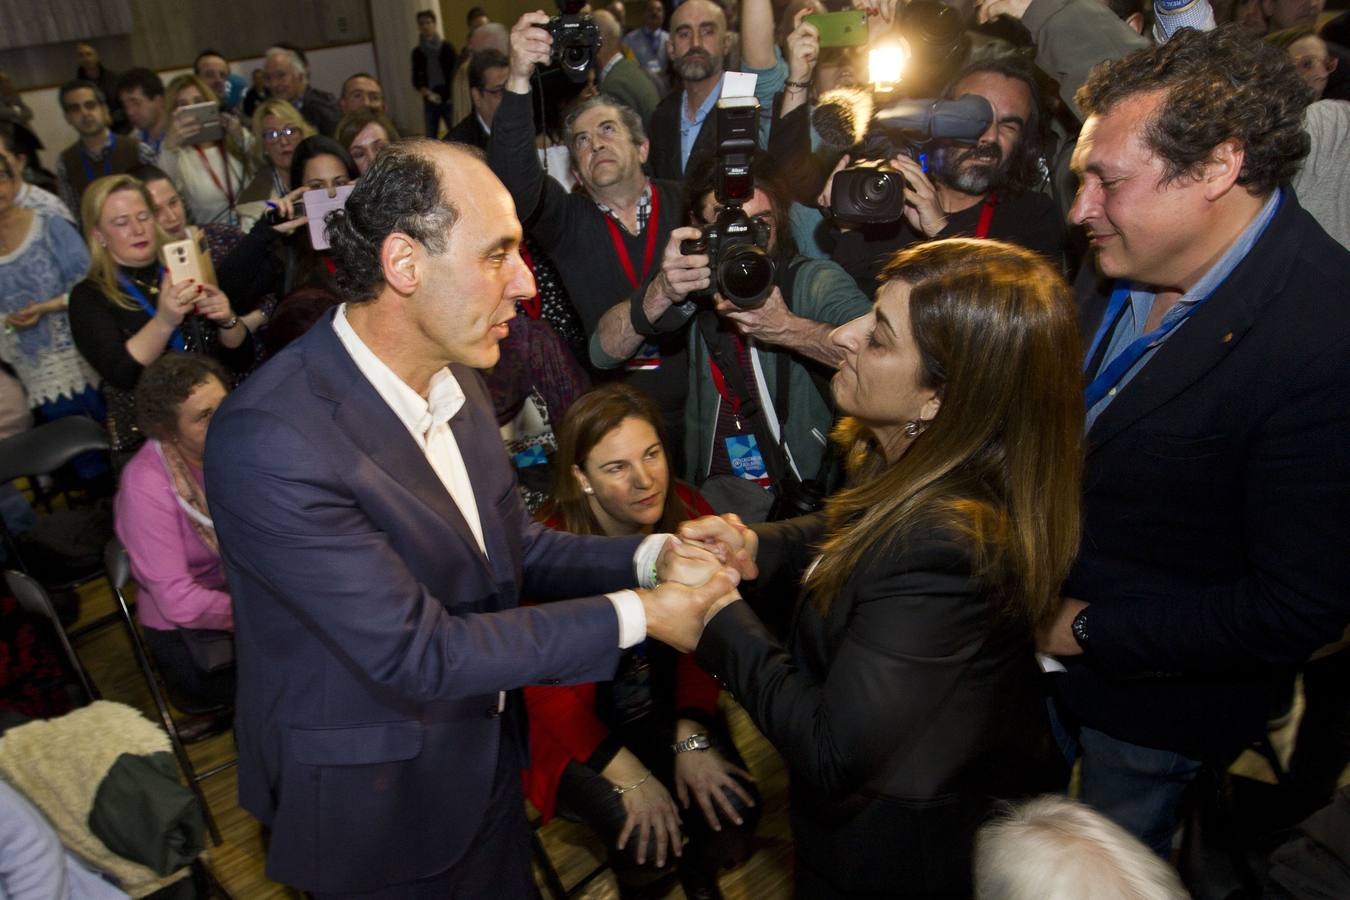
(576, 55)
(745, 275)
(875, 188)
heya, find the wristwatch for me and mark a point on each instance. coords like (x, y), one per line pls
(699, 741)
(1079, 628)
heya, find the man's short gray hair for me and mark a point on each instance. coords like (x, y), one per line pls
(290, 56)
(627, 115)
(1053, 848)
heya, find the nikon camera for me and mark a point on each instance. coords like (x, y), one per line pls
(737, 246)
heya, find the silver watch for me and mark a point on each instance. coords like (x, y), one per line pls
(699, 741)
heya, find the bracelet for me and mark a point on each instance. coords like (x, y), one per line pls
(620, 789)
(799, 85)
(234, 320)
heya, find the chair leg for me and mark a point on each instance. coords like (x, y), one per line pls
(554, 883)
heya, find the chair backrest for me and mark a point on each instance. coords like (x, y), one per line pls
(117, 564)
(34, 599)
(48, 447)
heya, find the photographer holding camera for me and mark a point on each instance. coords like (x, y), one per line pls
(605, 241)
(983, 187)
(758, 316)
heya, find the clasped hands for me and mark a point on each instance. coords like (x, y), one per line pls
(698, 570)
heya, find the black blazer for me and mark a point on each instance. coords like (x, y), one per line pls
(468, 130)
(419, 68)
(663, 160)
(1217, 504)
(902, 715)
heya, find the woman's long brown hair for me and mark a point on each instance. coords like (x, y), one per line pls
(590, 417)
(1001, 462)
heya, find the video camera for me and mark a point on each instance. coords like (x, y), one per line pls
(576, 39)
(868, 193)
(737, 246)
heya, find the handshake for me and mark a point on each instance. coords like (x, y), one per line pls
(698, 571)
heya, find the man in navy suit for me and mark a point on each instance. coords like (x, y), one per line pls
(377, 553)
(1213, 559)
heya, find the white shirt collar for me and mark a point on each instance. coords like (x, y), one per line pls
(444, 395)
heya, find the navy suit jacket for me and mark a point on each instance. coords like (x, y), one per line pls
(372, 635)
(1217, 504)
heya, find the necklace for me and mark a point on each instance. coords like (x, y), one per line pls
(150, 287)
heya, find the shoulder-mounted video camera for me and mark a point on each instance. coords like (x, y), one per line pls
(737, 246)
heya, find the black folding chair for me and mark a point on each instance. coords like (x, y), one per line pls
(118, 567)
(33, 598)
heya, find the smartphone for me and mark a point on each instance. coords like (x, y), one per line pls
(207, 117)
(841, 29)
(317, 207)
(189, 258)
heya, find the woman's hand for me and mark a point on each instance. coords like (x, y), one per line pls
(730, 540)
(287, 220)
(214, 305)
(803, 47)
(30, 315)
(708, 777)
(176, 300)
(651, 813)
(688, 563)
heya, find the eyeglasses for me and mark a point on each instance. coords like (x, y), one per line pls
(87, 106)
(273, 135)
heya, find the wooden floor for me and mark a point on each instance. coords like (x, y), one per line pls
(238, 862)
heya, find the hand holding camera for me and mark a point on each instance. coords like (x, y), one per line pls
(923, 209)
(287, 213)
(531, 45)
(680, 275)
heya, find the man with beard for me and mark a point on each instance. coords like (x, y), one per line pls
(980, 191)
(698, 43)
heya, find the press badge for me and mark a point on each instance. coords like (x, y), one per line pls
(531, 456)
(746, 460)
(646, 359)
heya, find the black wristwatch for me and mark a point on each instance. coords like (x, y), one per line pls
(1080, 628)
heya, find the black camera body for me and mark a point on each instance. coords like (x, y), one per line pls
(737, 246)
(868, 193)
(576, 39)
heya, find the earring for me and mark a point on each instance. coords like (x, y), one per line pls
(914, 427)
(588, 490)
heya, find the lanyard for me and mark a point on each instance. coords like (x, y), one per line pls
(176, 339)
(276, 183)
(1110, 376)
(622, 250)
(89, 163)
(226, 189)
(720, 381)
(986, 215)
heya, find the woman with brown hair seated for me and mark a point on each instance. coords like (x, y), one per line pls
(609, 755)
(907, 700)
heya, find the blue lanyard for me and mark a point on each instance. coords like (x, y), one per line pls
(1110, 376)
(176, 340)
(89, 163)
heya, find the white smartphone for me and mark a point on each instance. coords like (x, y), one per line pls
(189, 258)
(317, 207)
(207, 117)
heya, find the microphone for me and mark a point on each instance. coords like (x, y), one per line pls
(964, 119)
(841, 118)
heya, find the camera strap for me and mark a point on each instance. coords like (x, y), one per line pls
(649, 250)
(226, 189)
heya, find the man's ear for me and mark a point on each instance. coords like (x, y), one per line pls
(643, 149)
(401, 261)
(1223, 167)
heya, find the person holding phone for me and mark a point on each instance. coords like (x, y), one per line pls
(211, 173)
(127, 313)
(278, 129)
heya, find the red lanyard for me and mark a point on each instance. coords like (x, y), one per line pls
(720, 381)
(225, 189)
(986, 215)
(533, 306)
(653, 223)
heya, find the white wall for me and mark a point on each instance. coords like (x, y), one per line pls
(329, 67)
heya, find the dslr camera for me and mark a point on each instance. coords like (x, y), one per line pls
(737, 246)
(868, 193)
(576, 38)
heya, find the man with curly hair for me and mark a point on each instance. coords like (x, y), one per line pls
(1213, 559)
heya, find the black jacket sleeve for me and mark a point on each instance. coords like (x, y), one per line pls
(252, 270)
(99, 336)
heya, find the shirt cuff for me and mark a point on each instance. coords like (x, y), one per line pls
(644, 560)
(632, 618)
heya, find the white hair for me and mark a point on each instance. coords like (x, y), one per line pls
(290, 56)
(1053, 848)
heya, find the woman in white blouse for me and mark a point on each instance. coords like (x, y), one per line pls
(210, 176)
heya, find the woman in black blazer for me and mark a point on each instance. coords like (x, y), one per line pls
(907, 700)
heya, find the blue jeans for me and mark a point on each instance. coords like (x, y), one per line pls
(1138, 788)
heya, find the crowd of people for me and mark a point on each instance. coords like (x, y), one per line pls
(1042, 461)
